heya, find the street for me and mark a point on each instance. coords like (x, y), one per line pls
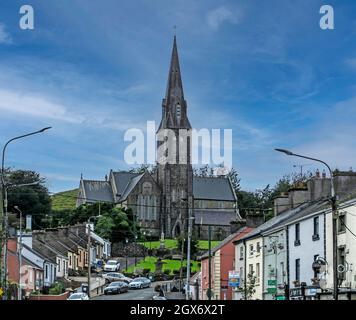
(143, 294)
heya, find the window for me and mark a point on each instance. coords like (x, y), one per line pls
(341, 223)
(251, 249)
(241, 253)
(297, 235)
(257, 273)
(70, 260)
(250, 269)
(258, 247)
(46, 271)
(297, 269)
(241, 274)
(282, 271)
(316, 229)
(59, 265)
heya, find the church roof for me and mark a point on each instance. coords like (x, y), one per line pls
(214, 217)
(174, 85)
(130, 186)
(122, 180)
(213, 188)
(97, 191)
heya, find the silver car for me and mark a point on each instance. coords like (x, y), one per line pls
(140, 283)
(116, 276)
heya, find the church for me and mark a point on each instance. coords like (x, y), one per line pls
(163, 200)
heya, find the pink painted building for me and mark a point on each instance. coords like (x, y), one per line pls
(222, 261)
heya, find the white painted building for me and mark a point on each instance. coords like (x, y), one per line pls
(346, 246)
(306, 243)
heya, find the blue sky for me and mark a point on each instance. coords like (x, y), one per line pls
(92, 69)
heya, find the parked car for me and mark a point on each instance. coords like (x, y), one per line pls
(115, 276)
(78, 296)
(112, 265)
(140, 283)
(116, 287)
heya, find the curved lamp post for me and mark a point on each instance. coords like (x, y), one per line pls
(334, 217)
(4, 204)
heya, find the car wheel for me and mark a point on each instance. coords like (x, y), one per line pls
(141, 286)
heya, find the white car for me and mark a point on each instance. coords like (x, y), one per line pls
(112, 266)
(78, 296)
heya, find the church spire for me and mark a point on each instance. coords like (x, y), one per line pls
(174, 92)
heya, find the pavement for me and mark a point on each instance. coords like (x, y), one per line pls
(138, 294)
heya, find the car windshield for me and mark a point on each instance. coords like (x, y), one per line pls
(111, 263)
(76, 296)
(115, 284)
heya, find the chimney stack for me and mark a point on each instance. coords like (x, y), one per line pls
(317, 174)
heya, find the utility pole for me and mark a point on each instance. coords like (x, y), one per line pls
(20, 254)
(187, 291)
(209, 245)
(89, 257)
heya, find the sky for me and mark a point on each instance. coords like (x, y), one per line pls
(93, 69)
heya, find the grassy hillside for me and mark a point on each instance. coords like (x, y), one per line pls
(64, 200)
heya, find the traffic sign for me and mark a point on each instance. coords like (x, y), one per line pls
(271, 290)
(272, 282)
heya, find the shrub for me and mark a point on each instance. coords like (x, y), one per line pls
(167, 271)
(56, 289)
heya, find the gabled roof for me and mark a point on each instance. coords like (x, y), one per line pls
(213, 188)
(232, 237)
(122, 179)
(214, 217)
(38, 254)
(130, 186)
(37, 244)
(97, 191)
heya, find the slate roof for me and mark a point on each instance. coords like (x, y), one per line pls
(311, 208)
(122, 180)
(97, 191)
(281, 218)
(238, 234)
(213, 188)
(214, 217)
(204, 188)
(129, 187)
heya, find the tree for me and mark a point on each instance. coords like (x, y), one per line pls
(33, 200)
(105, 226)
(249, 288)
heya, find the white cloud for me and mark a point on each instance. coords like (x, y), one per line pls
(35, 106)
(4, 36)
(220, 15)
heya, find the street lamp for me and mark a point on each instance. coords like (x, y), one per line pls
(89, 248)
(334, 217)
(4, 197)
(127, 241)
(20, 253)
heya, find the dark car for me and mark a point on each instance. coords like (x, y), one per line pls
(116, 287)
